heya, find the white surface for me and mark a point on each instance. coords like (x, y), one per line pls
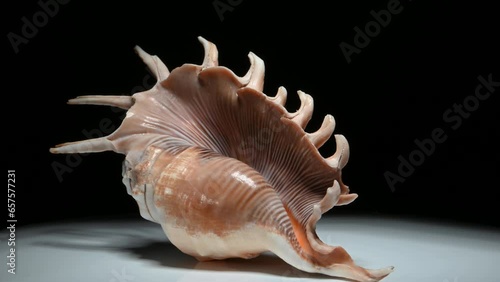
(137, 250)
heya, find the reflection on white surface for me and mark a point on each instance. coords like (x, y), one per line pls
(137, 251)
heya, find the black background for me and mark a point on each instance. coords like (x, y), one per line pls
(394, 91)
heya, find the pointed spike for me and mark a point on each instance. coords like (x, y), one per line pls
(346, 199)
(313, 239)
(341, 156)
(155, 65)
(324, 133)
(246, 78)
(328, 202)
(280, 97)
(85, 146)
(377, 274)
(331, 197)
(353, 272)
(211, 58)
(304, 113)
(257, 77)
(254, 78)
(124, 102)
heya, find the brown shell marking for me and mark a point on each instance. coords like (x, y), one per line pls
(218, 163)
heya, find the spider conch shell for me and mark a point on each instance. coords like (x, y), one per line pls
(225, 169)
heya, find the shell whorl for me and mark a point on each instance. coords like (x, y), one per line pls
(202, 114)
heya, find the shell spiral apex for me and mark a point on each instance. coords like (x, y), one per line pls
(226, 170)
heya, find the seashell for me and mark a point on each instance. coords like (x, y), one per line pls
(226, 170)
